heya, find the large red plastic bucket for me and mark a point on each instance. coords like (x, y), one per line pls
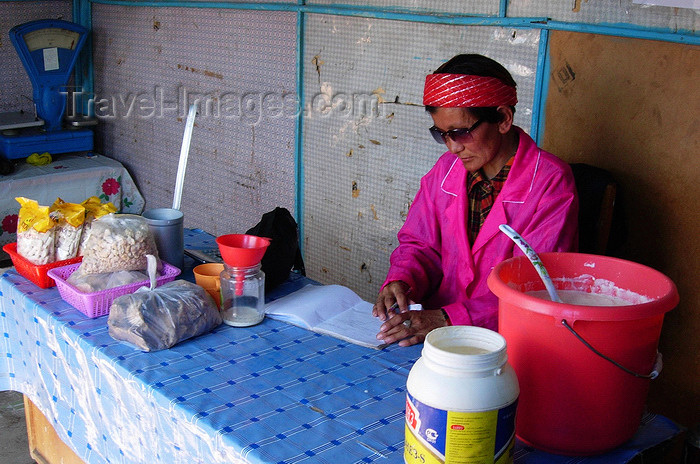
(572, 400)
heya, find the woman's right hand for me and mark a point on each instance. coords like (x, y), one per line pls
(395, 292)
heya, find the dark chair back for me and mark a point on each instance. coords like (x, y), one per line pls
(601, 228)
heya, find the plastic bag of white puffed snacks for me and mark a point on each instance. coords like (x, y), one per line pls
(157, 319)
(94, 209)
(69, 218)
(35, 232)
(36, 247)
(67, 240)
(118, 242)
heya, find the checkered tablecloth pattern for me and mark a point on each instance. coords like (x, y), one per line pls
(272, 393)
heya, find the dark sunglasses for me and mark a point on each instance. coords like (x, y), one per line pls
(457, 135)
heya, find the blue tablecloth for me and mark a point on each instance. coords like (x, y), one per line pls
(272, 393)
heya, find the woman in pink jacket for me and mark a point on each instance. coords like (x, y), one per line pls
(493, 174)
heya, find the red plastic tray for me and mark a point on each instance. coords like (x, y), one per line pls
(38, 274)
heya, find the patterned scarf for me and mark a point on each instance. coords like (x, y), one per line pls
(466, 91)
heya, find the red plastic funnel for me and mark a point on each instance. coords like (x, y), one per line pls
(242, 250)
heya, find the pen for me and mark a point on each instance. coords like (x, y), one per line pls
(395, 307)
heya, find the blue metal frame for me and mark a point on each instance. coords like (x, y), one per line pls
(299, 132)
(415, 15)
(628, 31)
(503, 8)
(541, 86)
(82, 14)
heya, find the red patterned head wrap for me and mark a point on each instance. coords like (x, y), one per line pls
(467, 91)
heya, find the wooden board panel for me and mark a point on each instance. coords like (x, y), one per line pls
(631, 106)
(45, 446)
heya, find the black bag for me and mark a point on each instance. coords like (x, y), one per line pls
(284, 253)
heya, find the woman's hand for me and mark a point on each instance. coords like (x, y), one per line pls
(395, 292)
(411, 327)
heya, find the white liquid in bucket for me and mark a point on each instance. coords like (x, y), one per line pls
(574, 297)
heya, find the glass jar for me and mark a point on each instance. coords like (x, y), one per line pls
(242, 295)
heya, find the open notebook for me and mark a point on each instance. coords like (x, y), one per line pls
(329, 309)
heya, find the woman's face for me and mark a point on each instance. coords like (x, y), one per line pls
(484, 149)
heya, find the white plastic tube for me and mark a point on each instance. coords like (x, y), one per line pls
(184, 153)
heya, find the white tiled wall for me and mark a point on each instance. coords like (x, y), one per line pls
(363, 165)
(151, 63)
(15, 88)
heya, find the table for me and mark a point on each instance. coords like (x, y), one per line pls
(272, 393)
(72, 177)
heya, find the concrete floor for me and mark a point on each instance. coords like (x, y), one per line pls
(14, 447)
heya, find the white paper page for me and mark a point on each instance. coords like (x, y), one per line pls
(312, 304)
(51, 59)
(355, 325)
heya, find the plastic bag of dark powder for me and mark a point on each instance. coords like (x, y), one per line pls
(159, 318)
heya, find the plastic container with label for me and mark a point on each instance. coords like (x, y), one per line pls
(461, 399)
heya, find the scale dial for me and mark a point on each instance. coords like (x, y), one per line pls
(51, 37)
(48, 49)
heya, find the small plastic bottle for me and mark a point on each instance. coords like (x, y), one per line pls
(243, 295)
(461, 399)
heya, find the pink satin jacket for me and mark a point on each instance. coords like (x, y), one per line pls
(434, 256)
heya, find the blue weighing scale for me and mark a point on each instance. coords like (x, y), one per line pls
(48, 49)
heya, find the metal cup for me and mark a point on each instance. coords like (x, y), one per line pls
(166, 226)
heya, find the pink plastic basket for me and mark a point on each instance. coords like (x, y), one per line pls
(97, 304)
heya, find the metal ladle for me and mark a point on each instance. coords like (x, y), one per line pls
(534, 259)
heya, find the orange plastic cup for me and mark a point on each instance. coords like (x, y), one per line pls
(207, 277)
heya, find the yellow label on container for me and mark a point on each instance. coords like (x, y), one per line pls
(437, 436)
(94, 208)
(414, 451)
(471, 436)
